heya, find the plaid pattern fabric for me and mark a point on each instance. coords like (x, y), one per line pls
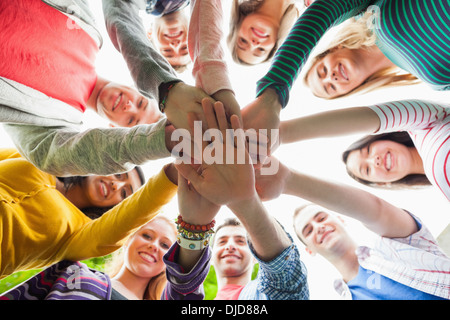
(283, 278)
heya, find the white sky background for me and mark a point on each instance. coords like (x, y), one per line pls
(321, 157)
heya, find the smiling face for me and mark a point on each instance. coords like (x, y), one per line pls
(146, 248)
(381, 161)
(126, 107)
(171, 32)
(322, 232)
(231, 255)
(107, 191)
(256, 38)
(339, 72)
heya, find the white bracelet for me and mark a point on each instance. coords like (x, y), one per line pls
(192, 244)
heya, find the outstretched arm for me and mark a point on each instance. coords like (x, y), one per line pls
(63, 151)
(402, 115)
(188, 267)
(330, 124)
(194, 210)
(147, 66)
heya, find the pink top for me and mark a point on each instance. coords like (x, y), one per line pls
(229, 292)
(44, 49)
(205, 33)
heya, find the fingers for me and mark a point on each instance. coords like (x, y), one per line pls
(215, 114)
(235, 122)
(221, 116)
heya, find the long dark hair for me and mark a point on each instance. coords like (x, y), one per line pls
(93, 212)
(410, 181)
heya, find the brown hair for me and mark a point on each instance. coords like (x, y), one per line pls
(229, 222)
(410, 181)
(93, 212)
(242, 8)
(356, 34)
(156, 284)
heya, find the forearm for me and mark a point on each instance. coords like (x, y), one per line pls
(104, 151)
(330, 124)
(147, 66)
(266, 235)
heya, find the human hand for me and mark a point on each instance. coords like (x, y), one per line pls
(263, 113)
(271, 186)
(230, 177)
(230, 103)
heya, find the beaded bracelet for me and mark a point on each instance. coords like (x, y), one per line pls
(192, 235)
(194, 227)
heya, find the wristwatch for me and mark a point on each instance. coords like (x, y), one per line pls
(163, 92)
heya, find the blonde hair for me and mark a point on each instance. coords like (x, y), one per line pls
(356, 34)
(156, 284)
(241, 8)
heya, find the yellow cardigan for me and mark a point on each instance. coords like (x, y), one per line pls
(39, 226)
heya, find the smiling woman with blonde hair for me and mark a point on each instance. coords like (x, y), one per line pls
(137, 270)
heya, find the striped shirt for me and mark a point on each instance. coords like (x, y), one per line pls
(65, 280)
(413, 34)
(428, 124)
